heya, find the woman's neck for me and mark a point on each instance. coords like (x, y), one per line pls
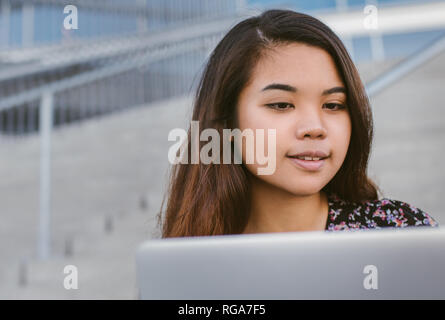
(275, 210)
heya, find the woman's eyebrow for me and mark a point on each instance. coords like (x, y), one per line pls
(286, 87)
(279, 86)
(334, 90)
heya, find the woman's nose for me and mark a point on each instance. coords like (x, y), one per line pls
(313, 132)
(311, 126)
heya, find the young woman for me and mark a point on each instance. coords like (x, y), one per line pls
(285, 71)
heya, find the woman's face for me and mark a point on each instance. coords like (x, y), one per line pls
(296, 90)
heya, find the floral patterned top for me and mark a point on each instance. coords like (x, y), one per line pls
(375, 214)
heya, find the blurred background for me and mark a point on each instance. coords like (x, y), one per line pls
(86, 107)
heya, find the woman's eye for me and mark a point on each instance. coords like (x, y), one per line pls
(280, 106)
(336, 106)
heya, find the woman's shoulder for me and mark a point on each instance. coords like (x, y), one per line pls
(378, 213)
(401, 213)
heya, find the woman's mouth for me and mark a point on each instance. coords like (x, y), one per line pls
(308, 163)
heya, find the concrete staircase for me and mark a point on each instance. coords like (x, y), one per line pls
(104, 172)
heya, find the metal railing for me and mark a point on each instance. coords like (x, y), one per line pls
(152, 68)
(85, 79)
(406, 66)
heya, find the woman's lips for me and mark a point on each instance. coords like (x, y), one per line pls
(311, 165)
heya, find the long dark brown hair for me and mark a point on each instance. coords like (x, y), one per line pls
(214, 199)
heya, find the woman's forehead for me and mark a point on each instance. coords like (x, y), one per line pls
(296, 64)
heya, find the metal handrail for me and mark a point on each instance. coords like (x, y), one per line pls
(104, 72)
(406, 66)
(109, 49)
(130, 45)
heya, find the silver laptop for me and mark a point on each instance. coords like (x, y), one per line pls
(372, 264)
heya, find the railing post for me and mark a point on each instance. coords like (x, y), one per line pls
(342, 6)
(45, 127)
(377, 47)
(142, 21)
(241, 6)
(27, 25)
(5, 23)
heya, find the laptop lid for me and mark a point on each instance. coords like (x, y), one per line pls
(370, 264)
